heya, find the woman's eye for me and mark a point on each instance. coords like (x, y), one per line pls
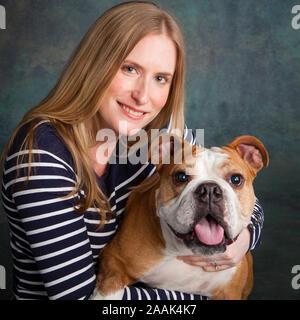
(236, 180)
(181, 177)
(129, 69)
(161, 79)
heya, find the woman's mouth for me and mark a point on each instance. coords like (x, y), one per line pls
(131, 112)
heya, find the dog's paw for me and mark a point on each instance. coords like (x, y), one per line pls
(118, 295)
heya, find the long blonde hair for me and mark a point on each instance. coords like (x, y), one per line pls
(72, 105)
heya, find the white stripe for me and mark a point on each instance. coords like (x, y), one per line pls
(120, 211)
(128, 294)
(39, 151)
(10, 217)
(59, 252)
(113, 208)
(157, 295)
(97, 246)
(5, 197)
(40, 177)
(112, 195)
(47, 215)
(17, 249)
(16, 226)
(123, 197)
(167, 294)
(101, 234)
(92, 221)
(65, 236)
(26, 271)
(22, 260)
(8, 208)
(64, 264)
(253, 238)
(42, 203)
(139, 295)
(173, 295)
(57, 296)
(68, 276)
(19, 298)
(55, 226)
(40, 293)
(35, 164)
(152, 172)
(29, 191)
(21, 239)
(132, 177)
(35, 283)
(146, 294)
(185, 130)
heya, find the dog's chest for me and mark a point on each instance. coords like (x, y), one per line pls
(173, 274)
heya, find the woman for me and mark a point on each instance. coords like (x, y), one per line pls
(63, 203)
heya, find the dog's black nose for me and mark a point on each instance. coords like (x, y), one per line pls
(209, 192)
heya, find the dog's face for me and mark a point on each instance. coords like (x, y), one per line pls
(205, 202)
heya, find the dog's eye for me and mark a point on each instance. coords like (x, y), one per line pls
(181, 177)
(237, 180)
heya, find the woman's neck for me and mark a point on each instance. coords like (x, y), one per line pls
(99, 156)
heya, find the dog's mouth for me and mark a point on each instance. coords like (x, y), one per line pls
(206, 232)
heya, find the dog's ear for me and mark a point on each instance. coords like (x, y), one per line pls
(251, 150)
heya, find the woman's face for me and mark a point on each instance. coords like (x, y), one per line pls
(141, 87)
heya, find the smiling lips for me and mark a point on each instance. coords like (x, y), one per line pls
(131, 112)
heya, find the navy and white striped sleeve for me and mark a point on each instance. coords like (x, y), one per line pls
(256, 225)
(136, 293)
(52, 254)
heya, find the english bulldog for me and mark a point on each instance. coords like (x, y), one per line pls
(196, 206)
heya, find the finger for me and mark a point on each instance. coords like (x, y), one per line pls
(213, 268)
(193, 261)
(195, 258)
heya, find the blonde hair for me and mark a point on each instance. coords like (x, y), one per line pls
(72, 105)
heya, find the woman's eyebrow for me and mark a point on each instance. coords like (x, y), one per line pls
(138, 66)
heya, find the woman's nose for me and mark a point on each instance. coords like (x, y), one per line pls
(140, 92)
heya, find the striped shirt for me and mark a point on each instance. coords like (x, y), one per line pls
(54, 249)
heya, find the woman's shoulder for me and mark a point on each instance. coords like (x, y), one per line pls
(47, 141)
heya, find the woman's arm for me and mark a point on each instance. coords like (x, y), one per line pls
(50, 243)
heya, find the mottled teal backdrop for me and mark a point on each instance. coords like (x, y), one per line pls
(243, 77)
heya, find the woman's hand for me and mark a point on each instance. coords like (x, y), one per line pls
(230, 258)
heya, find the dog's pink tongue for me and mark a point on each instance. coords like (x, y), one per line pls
(209, 232)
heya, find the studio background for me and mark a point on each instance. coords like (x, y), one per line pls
(243, 77)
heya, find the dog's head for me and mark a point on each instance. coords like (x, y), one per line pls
(206, 199)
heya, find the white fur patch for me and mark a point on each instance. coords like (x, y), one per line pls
(173, 274)
(118, 295)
